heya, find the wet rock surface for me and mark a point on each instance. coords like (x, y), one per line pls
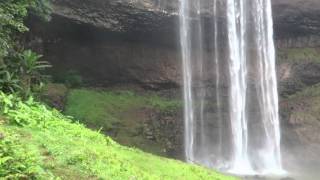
(167, 128)
(292, 17)
(300, 127)
(298, 76)
(104, 58)
(125, 41)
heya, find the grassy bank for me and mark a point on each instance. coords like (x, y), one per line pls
(40, 143)
(106, 108)
(121, 114)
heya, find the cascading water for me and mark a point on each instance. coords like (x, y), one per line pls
(230, 85)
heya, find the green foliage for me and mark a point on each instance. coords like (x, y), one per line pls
(121, 114)
(19, 72)
(12, 14)
(17, 161)
(31, 63)
(6, 102)
(22, 73)
(42, 8)
(31, 69)
(164, 105)
(9, 81)
(75, 152)
(99, 108)
(11, 21)
(105, 108)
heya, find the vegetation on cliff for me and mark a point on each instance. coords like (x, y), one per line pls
(12, 15)
(19, 68)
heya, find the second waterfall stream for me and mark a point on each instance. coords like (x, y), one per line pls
(230, 85)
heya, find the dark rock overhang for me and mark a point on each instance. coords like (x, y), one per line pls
(291, 17)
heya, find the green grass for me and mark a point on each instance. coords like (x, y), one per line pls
(65, 150)
(105, 108)
(120, 114)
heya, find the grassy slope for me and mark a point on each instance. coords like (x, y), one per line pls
(122, 112)
(105, 108)
(66, 150)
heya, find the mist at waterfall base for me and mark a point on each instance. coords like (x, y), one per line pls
(230, 86)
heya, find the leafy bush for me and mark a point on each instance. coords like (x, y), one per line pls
(31, 71)
(22, 73)
(12, 14)
(9, 81)
(7, 102)
(19, 70)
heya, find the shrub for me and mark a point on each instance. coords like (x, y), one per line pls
(15, 72)
(23, 73)
(12, 14)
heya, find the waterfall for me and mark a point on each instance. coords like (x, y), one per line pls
(230, 85)
(238, 84)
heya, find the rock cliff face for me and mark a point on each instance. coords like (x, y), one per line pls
(105, 58)
(119, 15)
(137, 41)
(300, 128)
(292, 17)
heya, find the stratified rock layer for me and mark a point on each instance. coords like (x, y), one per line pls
(125, 41)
